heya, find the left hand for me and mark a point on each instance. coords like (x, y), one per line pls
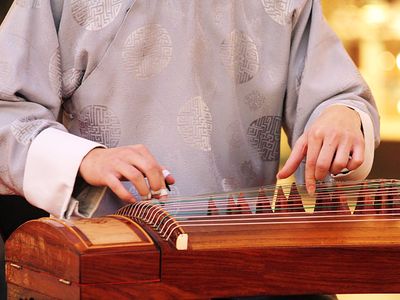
(333, 142)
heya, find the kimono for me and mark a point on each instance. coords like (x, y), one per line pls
(206, 85)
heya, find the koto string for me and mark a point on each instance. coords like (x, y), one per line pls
(324, 191)
(371, 200)
(324, 201)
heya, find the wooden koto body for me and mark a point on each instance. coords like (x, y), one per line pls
(346, 240)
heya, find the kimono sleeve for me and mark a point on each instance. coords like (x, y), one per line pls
(30, 105)
(322, 74)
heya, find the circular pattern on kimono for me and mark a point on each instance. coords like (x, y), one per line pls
(28, 3)
(147, 51)
(26, 129)
(95, 14)
(55, 72)
(255, 100)
(71, 80)
(99, 124)
(278, 10)
(240, 57)
(194, 124)
(264, 135)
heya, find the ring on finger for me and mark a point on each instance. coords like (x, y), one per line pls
(160, 192)
(147, 197)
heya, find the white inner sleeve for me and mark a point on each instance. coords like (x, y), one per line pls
(51, 168)
(369, 139)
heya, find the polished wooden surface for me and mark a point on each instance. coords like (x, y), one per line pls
(73, 260)
(197, 273)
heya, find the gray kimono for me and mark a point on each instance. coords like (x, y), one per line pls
(206, 85)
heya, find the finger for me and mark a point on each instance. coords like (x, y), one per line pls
(325, 158)
(136, 177)
(313, 149)
(118, 188)
(163, 192)
(357, 157)
(341, 158)
(155, 179)
(148, 166)
(169, 179)
(295, 158)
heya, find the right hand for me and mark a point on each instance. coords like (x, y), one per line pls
(108, 167)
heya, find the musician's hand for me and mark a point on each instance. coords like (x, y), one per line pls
(328, 144)
(107, 167)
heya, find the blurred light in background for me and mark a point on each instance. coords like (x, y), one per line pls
(387, 61)
(374, 13)
(398, 61)
(370, 31)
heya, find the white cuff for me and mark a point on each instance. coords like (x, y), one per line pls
(51, 168)
(369, 139)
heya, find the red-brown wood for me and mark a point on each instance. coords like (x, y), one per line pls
(54, 258)
(278, 254)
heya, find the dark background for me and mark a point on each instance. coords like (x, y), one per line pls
(4, 6)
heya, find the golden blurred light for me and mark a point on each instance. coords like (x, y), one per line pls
(398, 106)
(394, 25)
(375, 13)
(398, 61)
(387, 60)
